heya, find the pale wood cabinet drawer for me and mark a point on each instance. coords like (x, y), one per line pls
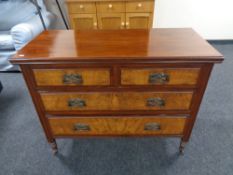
(139, 6)
(111, 21)
(72, 77)
(138, 20)
(117, 126)
(156, 76)
(87, 21)
(110, 7)
(82, 7)
(113, 101)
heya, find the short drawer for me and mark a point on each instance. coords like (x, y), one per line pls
(140, 6)
(112, 101)
(72, 77)
(82, 7)
(117, 126)
(158, 76)
(110, 7)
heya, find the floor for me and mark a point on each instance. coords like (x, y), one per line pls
(24, 150)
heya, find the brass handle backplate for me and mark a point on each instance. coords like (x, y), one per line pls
(81, 127)
(72, 79)
(76, 103)
(152, 127)
(158, 78)
(153, 102)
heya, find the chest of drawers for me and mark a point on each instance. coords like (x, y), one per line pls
(110, 14)
(117, 83)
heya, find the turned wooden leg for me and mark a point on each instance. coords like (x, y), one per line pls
(54, 146)
(182, 145)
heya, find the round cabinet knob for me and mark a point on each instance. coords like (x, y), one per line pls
(95, 24)
(139, 5)
(110, 6)
(127, 24)
(81, 6)
(122, 23)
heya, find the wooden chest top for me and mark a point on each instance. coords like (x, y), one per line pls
(155, 45)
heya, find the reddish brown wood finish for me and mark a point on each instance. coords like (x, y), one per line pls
(116, 50)
(145, 45)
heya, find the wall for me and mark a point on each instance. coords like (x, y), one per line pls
(213, 19)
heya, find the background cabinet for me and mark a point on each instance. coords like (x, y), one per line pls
(111, 14)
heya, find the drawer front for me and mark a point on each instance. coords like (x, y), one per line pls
(117, 126)
(72, 77)
(164, 76)
(117, 101)
(82, 7)
(110, 7)
(140, 6)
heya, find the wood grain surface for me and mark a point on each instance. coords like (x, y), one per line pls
(118, 125)
(116, 101)
(54, 77)
(177, 76)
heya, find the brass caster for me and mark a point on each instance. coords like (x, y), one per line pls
(181, 148)
(55, 152)
(54, 147)
(181, 151)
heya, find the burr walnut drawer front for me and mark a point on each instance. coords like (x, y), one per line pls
(111, 101)
(72, 77)
(117, 125)
(82, 7)
(140, 6)
(156, 76)
(110, 7)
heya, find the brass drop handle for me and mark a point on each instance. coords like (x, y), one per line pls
(76, 103)
(139, 5)
(155, 102)
(72, 79)
(158, 78)
(127, 25)
(81, 6)
(110, 6)
(122, 24)
(95, 24)
(81, 127)
(152, 127)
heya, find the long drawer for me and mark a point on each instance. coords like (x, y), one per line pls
(117, 126)
(72, 77)
(116, 101)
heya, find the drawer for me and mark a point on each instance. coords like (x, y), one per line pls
(82, 7)
(117, 126)
(140, 6)
(111, 101)
(110, 7)
(72, 77)
(164, 76)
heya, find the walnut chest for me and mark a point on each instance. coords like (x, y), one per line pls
(117, 82)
